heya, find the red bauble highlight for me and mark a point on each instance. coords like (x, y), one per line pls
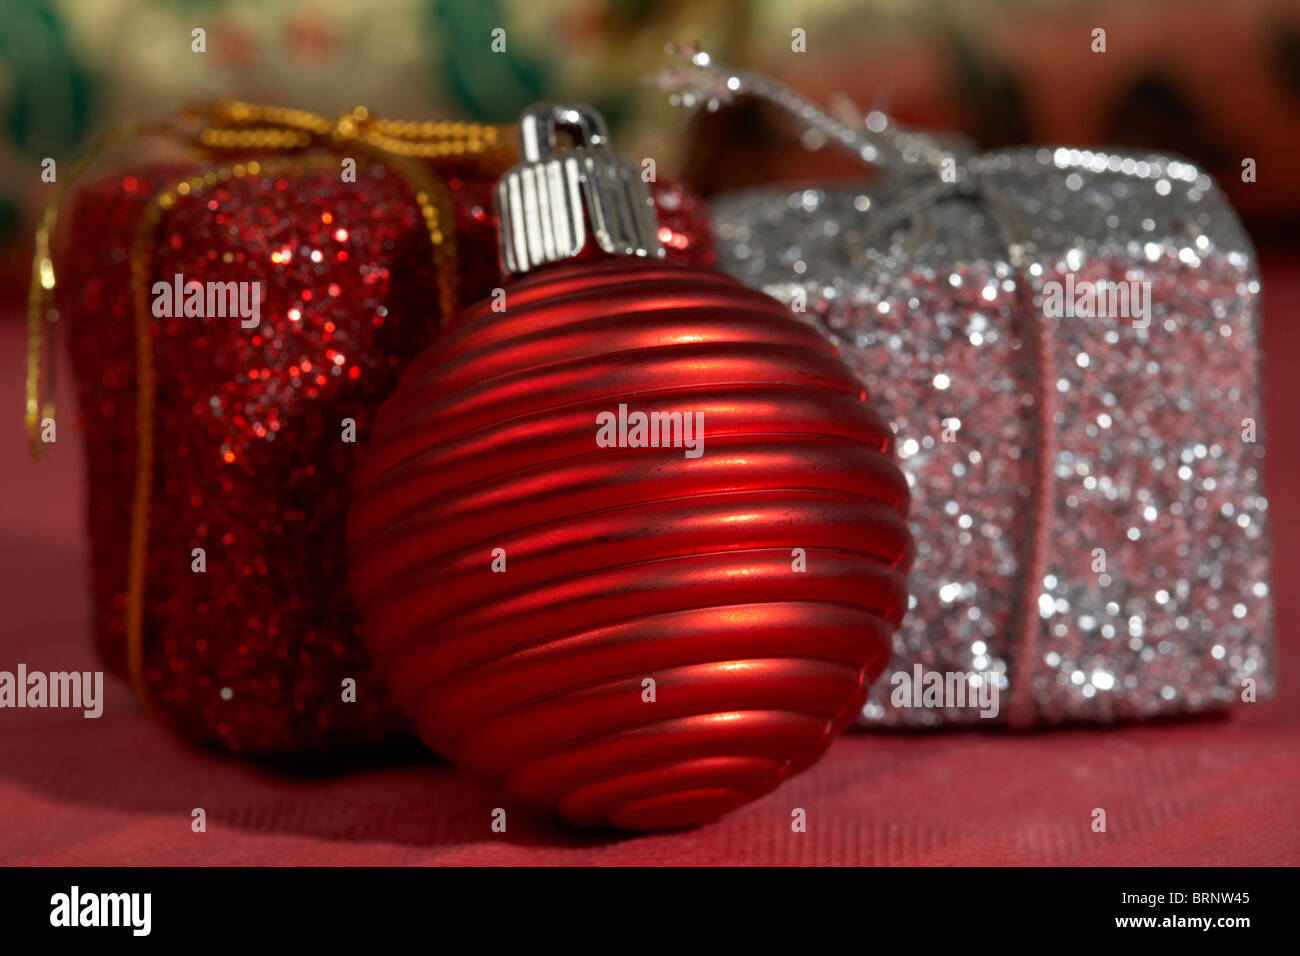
(624, 565)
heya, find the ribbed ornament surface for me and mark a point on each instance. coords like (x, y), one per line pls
(623, 564)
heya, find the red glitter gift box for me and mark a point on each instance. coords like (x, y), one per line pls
(224, 411)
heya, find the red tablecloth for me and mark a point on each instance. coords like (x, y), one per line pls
(120, 790)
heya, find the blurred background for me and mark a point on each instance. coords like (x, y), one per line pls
(1214, 81)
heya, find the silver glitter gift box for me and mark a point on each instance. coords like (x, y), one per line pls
(1067, 343)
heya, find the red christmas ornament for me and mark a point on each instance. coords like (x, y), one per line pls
(622, 632)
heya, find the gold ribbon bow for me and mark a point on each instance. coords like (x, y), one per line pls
(233, 127)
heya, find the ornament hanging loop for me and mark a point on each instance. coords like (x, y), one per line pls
(546, 202)
(540, 128)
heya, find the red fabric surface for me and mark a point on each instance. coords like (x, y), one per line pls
(120, 789)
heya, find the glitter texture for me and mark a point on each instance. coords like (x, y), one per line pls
(250, 462)
(1124, 439)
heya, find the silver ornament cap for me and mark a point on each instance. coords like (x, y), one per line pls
(546, 202)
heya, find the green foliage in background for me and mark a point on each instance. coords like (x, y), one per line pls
(45, 101)
(488, 86)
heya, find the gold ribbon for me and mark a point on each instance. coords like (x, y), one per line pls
(237, 127)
